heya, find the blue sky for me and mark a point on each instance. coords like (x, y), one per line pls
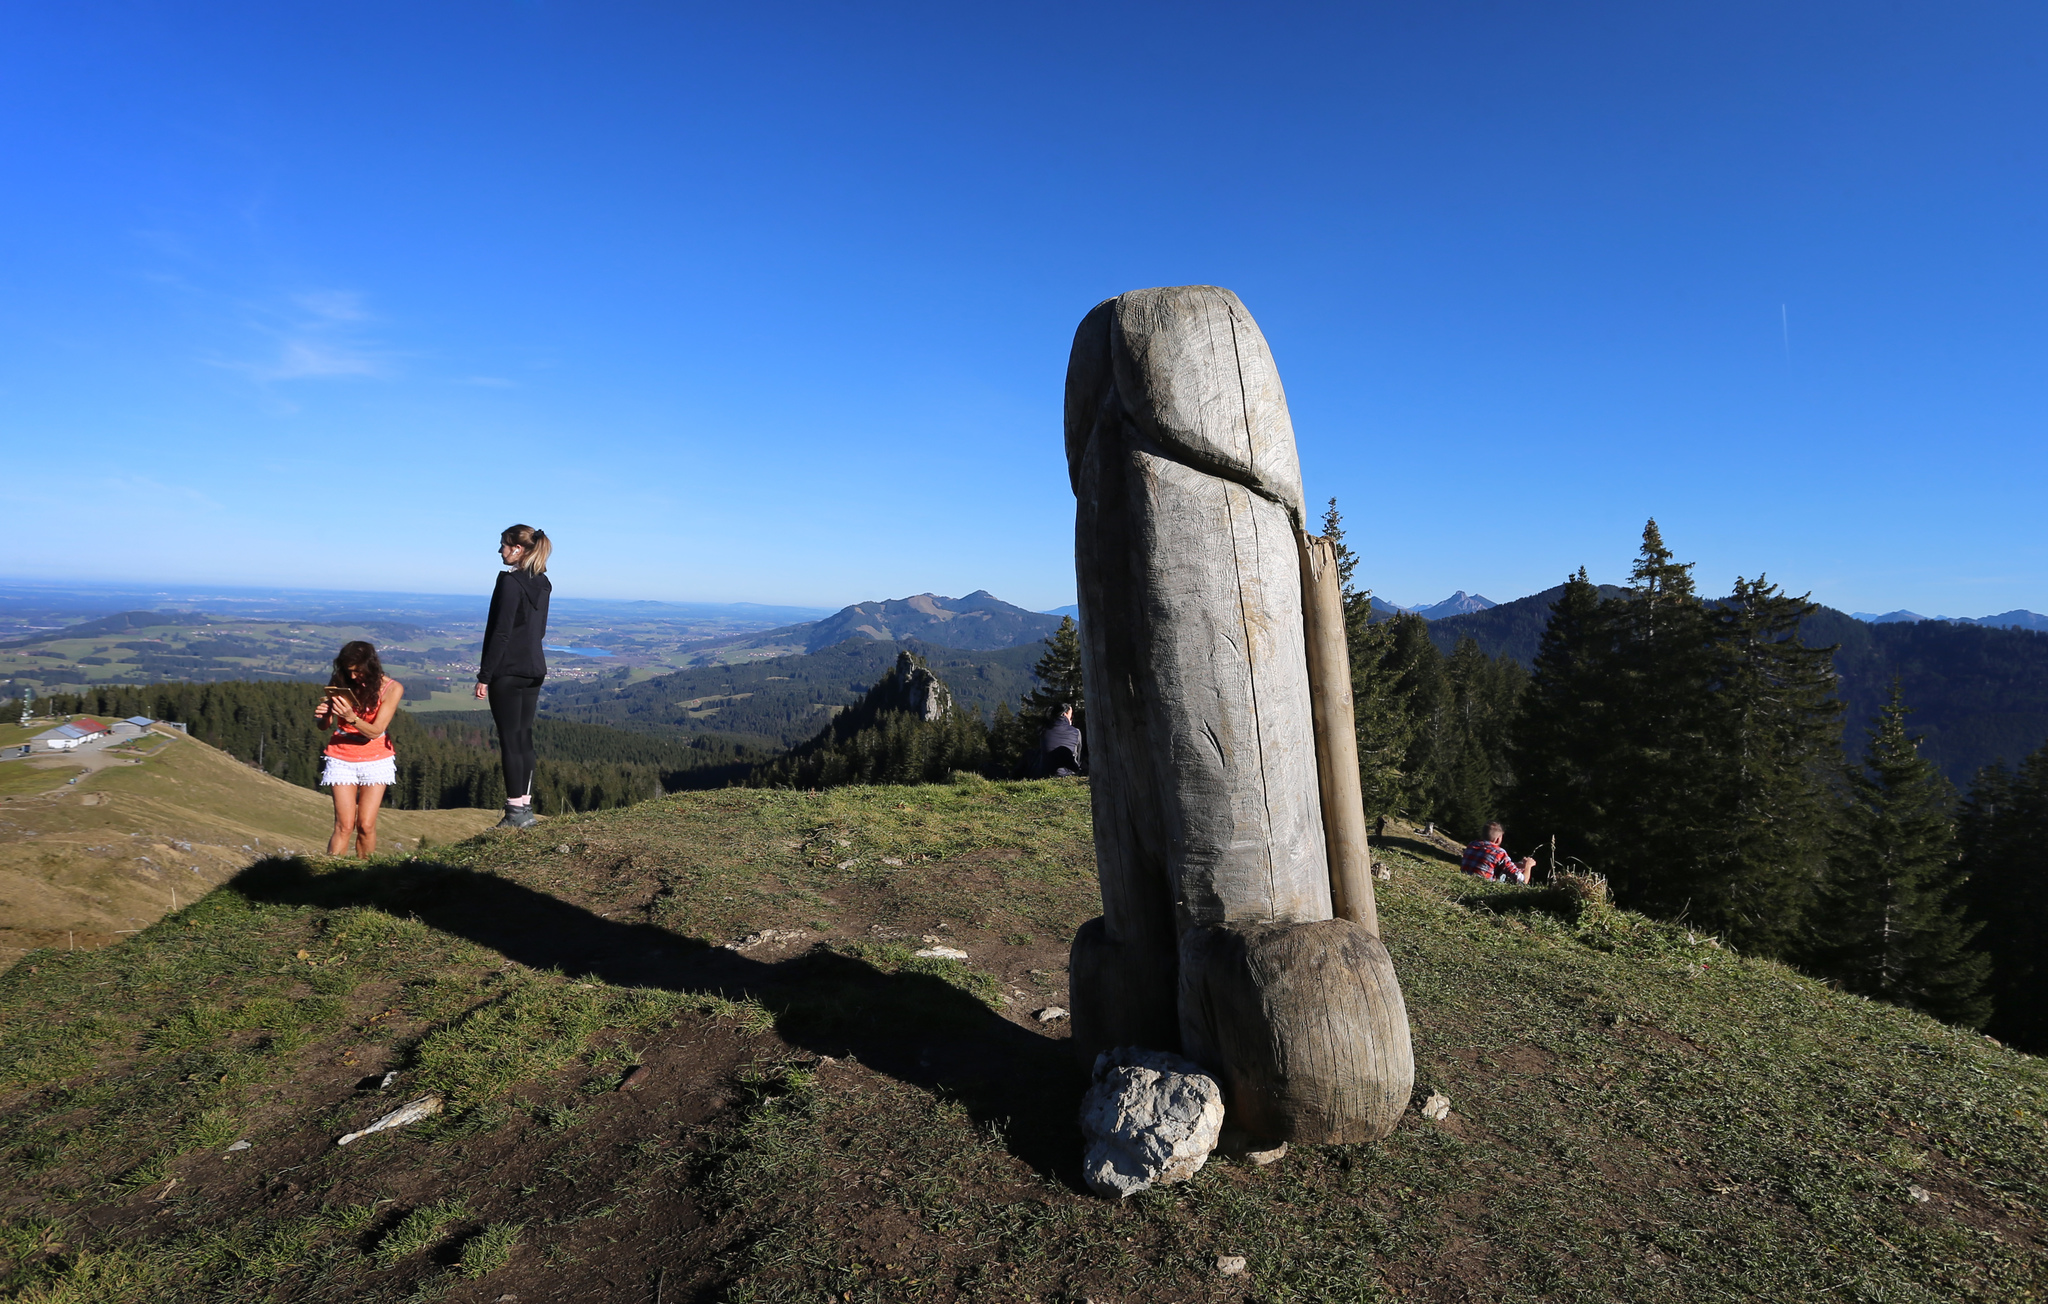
(772, 302)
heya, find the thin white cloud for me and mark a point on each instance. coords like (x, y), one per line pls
(321, 335)
(301, 359)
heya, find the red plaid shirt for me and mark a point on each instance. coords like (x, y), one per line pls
(1486, 859)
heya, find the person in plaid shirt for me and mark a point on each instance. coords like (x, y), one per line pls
(1486, 859)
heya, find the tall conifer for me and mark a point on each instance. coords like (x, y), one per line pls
(1773, 746)
(1565, 729)
(1059, 679)
(2005, 854)
(1892, 925)
(1660, 678)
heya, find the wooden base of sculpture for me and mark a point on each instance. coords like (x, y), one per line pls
(1304, 1026)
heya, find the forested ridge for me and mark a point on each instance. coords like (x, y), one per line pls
(1719, 764)
(446, 759)
(1979, 694)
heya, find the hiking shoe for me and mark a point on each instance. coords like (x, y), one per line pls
(517, 817)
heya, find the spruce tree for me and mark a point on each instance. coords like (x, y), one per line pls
(1059, 677)
(1762, 784)
(1472, 770)
(2004, 836)
(1660, 679)
(1565, 730)
(1893, 924)
(1422, 693)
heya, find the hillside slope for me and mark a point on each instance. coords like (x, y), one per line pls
(82, 863)
(1637, 1114)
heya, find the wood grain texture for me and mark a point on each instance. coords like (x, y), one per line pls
(1303, 1024)
(1329, 678)
(1204, 767)
(1206, 781)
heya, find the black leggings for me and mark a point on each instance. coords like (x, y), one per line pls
(514, 698)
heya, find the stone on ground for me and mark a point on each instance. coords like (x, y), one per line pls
(1149, 1119)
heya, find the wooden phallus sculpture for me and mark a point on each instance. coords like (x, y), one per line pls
(1238, 923)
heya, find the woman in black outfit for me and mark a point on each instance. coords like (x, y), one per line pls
(513, 664)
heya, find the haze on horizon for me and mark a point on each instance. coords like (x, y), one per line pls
(773, 304)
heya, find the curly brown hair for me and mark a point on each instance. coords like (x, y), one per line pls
(359, 655)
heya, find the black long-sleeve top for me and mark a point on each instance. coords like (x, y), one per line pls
(518, 623)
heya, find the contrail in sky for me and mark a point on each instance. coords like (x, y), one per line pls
(1785, 323)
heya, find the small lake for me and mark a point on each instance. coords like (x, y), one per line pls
(580, 651)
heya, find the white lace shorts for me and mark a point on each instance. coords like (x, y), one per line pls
(353, 774)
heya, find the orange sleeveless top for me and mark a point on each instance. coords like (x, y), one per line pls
(371, 749)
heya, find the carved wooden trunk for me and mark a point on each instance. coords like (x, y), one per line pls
(1209, 826)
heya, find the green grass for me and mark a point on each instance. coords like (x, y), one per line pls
(489, 1250)
(1637, 1112)
(419, 1230)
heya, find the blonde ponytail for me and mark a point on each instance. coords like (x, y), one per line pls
(535, 559)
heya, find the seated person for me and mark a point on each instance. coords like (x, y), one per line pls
(1487, 860)
(1059, 747)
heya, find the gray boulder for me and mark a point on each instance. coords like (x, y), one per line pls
(1149, 1119)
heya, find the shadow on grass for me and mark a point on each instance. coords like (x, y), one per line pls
(915, 1027)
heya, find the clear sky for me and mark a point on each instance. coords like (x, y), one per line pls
(772, 302)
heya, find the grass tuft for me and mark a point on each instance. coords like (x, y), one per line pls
(490, 1249)
(419, 1230)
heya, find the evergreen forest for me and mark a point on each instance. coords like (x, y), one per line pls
(1703, 756)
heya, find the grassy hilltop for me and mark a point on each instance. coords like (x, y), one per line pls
(96, 843)
(1637, 1114)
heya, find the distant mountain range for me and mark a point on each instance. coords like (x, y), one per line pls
(1460, 603)
(2007, 620)
(1978, 693)
(978, 622)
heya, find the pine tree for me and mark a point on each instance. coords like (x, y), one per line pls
(1422, 694)
(1059, 676)
(1662, 678)
(1893, 924)
(1684, 750)
(1563, 734)
(1773, 745)
(2004, 837)
(1468, 770)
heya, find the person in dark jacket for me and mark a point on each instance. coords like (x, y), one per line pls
(1060, 745)
(513, 663)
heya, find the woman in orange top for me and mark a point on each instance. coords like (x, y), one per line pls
(361, 763)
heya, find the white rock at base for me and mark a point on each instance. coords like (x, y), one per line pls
(239, 1145)
(1149, 1119)
(942, 953)
(1229, 1264)
(1437, 1107)
(1050, 1013)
